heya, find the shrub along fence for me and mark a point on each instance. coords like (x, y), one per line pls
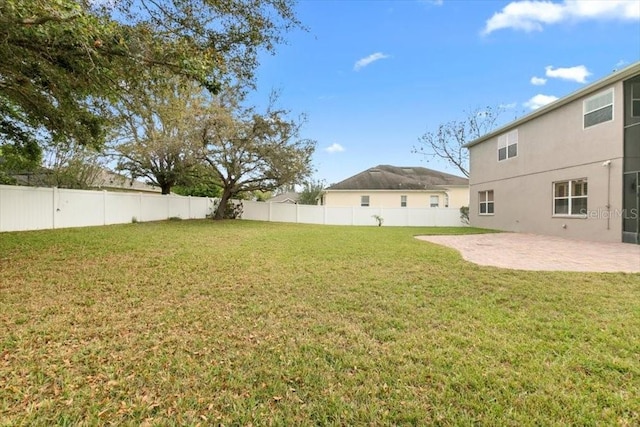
(36, 208)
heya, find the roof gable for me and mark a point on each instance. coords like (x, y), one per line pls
(386, 177)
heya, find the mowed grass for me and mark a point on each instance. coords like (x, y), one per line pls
(249, 323)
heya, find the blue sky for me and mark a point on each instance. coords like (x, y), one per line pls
(373, 76)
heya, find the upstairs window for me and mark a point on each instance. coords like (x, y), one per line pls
(486, 202)
(508, 145)
(598, 108)
(364, 201)
(570, 197)
(403, 201)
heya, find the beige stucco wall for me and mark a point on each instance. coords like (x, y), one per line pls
(554, 147)
(458, 196)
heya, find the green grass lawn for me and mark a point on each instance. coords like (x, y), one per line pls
(240, 323)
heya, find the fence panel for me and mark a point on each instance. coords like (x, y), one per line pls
(200, 207)
(26, 208)
(283, 212)
(311, 214)
(154, 208)
(256, 211)
(78, 208)
(122, 208)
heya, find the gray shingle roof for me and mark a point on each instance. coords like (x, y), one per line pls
(288, 197)
(386, 177)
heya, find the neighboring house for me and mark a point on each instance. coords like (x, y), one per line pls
(387, 186)
(100, 179)
(288, 197)
(568, 169)
(107, 180)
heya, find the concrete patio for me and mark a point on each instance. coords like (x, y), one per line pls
(520, 251)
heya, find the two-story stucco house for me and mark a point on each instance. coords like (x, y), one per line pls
(387, 186)
(568, 169)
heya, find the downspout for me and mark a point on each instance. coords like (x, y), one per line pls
(607, 164)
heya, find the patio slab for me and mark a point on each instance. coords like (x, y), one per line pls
(522, 251)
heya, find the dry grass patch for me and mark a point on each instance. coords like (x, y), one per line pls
(241, 323)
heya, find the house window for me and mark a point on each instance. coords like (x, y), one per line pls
(635, 100)
(508, 145)
(403, 201)
(598, 108)
(486, 202)
(364, 201)
(446, 200)
(570, 197)
(434, 201)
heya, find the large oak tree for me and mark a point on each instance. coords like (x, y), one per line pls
(63, 60)
(249, 151)
(158, 136)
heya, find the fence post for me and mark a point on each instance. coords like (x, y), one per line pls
(104, 207)
(140, 207)
(324, 214)
(297, 213)
(189, 207)
(1, 208)
(55, 201)
(269, 215)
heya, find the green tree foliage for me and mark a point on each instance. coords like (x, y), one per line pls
(62, 60)
(201, 183)
(71, 165)
(448, 140)
(311, 193)
(23, 156)
(254, 152)
(159, 136)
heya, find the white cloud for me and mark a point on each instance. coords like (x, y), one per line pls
(363, 62)
(509, 106)
(538, 81)
(578, 73)
(539, 101)
(532, 15)
(621, 64)
(334, 148)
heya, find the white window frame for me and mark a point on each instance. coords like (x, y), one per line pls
(591, 98)
(571, 197)
(403, 201)
(362, 201)
(635, 97)
(506, 141)
(486, 202)
(437, 198)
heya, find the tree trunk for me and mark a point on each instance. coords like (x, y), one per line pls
(226, 196)
(166, 188)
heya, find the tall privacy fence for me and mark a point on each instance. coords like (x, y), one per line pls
(407, 217)
(34, 208)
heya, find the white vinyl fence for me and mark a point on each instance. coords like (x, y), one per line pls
(35, 208)
(412, 217)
